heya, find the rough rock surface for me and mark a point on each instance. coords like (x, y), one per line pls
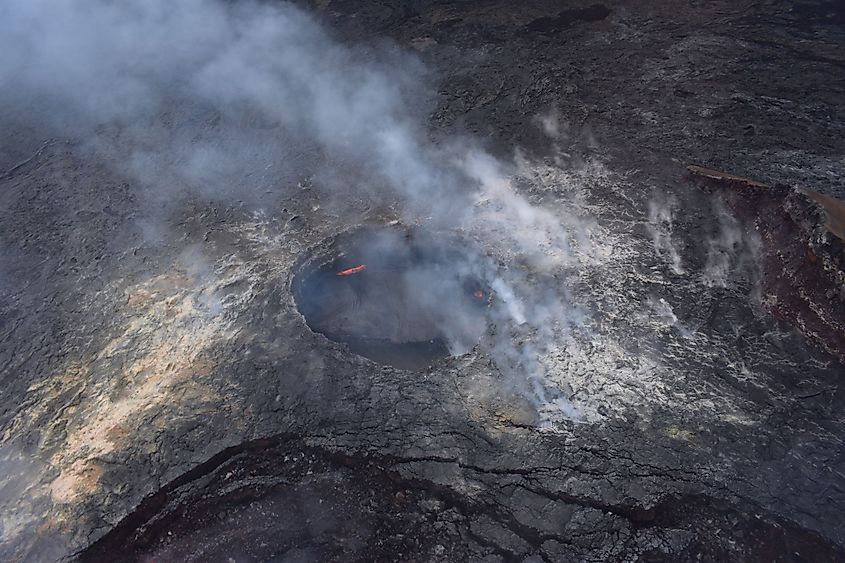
(802, 253)
(162, 396)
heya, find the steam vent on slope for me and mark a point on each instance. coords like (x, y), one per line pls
(399, 297)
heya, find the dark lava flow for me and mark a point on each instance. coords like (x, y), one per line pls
(398, 297)
(277, 499)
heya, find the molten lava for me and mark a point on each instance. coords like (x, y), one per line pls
(350, 271)
(478, 294)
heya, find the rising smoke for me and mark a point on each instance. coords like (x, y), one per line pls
(212, 96)
(232, 100)
(661, 218)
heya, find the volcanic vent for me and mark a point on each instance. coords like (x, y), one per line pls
(402, 297)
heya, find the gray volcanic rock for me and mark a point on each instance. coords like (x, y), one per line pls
(163, 397)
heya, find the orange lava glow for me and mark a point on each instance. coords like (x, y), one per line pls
(350, 271)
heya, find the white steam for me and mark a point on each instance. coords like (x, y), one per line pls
(661, 213)
(724, 249)
(234, 99)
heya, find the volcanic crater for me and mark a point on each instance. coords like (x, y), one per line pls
(402, 297)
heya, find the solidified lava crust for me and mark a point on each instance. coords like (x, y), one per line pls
(277, 497)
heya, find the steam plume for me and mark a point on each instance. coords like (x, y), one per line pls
(230, 100)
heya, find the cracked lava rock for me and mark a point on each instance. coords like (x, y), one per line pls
(658, 369)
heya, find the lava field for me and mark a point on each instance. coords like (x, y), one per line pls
(422, 281)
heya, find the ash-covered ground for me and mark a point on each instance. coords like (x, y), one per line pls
(661, 377)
